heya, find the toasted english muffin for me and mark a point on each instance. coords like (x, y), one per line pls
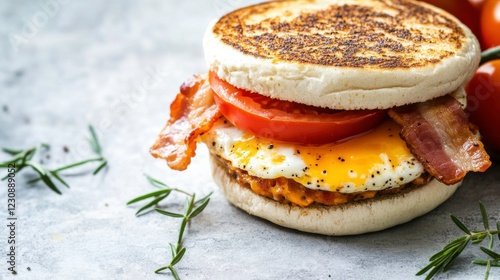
(343, 54)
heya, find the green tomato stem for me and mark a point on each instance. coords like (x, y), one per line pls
(490, 54)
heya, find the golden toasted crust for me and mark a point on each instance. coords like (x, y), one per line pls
(374, 34)
(343, 54)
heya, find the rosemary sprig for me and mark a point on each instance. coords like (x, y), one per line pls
(192, 208)
(23, 158)
(443, 260)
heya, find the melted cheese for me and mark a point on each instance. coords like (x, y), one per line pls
(374, 161)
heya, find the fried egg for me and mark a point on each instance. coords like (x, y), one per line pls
(374, 161)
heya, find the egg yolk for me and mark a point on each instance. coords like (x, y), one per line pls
(376, 160)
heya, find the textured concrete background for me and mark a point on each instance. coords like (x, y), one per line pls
(117, 65)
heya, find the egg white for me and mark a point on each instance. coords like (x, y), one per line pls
(269, 159)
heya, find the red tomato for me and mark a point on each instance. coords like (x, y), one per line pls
(477, 4)
(289, 121)
(461, 9)
(490, 23)
(483, 97)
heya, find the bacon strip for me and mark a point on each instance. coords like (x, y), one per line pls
(192, 113)
(437, 133)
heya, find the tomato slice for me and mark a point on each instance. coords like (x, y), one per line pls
(289, 121)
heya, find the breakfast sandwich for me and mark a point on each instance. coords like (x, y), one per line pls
(335, 117)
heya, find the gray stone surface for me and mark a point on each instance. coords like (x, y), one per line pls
(117, 65)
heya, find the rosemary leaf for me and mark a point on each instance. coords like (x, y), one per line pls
(170, 214)
(162, 268)
(58, 178)
(455, 254)
(148, 195)
(151, 204)
(76, 164)
(434, 263)
(484, 216)
(188, 205)
(155, 182)
(43, 176)
(94, 141)
(178, 256)
(433, 272)
(199, 209)
(172, 250)
(490, 252)
(203, 199)
(11, 152)
(7, 163)
(451, 245)
(103, 164)
(495, 263)
(480, 262)
(23, 156)
(460, 224)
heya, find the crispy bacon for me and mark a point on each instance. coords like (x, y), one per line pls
(437, 133)
(192, 113)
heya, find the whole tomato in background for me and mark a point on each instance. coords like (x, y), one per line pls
(490, 23)
(483, 102)
(477, 4)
